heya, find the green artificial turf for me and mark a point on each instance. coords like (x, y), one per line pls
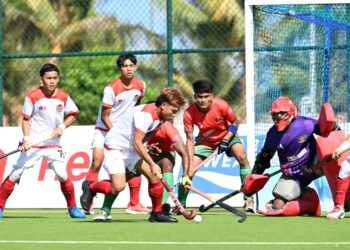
(54, 229)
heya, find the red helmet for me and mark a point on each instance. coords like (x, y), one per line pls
(283, 104)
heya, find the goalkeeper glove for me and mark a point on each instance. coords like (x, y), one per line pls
(185, 180)
(223, 146)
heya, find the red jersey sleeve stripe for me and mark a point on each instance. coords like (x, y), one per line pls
(107, 105)
(140, 132)
(26, 116)
(73, 113)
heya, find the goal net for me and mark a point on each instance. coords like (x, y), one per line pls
(300, 51)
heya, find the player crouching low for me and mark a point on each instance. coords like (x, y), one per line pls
(292, 137)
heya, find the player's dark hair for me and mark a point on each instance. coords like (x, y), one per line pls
(202, 86)
(172, 96)
(48, 67)
(122, 58)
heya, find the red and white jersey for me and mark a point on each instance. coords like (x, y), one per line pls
(120, 99)
(142, 118)
(212, 125)
(47, 113)
(166, 137)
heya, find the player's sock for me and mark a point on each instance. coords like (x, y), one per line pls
(155, 191)
(134, 187)
(104, 187)
(169, 178)
(92, 175)
(67, 189)
(108, 202)
(6, 190)
(341, 189)
(183, 193)
(244, 172)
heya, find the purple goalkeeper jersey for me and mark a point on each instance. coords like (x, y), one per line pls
(296, 147)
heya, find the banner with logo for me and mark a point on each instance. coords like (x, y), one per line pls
(39, 188)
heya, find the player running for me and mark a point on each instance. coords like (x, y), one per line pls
(43, 111)
(119, 96)
(218, 127)
(161, 147)
(124, 148)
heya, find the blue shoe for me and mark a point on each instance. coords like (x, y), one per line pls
(75, 212)
(1, 211)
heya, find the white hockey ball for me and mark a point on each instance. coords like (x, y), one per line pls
(198, 218)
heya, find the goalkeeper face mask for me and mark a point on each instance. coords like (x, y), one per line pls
(283, 111)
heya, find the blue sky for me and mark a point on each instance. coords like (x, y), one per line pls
(134, 12)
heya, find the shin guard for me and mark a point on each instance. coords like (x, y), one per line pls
(6, 190)
(67, 189)
(155, 191)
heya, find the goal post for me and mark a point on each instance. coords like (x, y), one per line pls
(300, 50)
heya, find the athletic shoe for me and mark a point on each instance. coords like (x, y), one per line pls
(87, 196)
(166, 208)
(347, 206)
(137, 209)
(91, 210)
(249, 205)
(161, 217)
(102, 216)
(1, 212)
(75, 212)
(337, 213)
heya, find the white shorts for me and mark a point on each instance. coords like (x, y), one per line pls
(344, 171)
(120, 161)
(29, 158)
(99, 139)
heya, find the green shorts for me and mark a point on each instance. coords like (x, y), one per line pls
(204, 151)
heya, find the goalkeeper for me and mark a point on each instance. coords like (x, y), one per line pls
(292, 138)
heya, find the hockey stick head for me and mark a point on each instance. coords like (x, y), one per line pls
(202, 209)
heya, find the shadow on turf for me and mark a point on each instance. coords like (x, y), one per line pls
(113, 221)
(25, 217)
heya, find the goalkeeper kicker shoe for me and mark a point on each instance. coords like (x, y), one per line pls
(75, 212)
(103, 216)
(87, 196)
(337, 213)
(161, 217)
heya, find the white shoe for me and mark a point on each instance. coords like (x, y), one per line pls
(249, 205)
(337, 213)
(102, 216)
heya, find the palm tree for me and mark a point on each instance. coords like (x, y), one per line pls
(210, 24)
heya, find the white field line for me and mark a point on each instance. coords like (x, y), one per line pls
(335, 243)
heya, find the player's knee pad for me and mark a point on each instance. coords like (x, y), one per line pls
(286, 189)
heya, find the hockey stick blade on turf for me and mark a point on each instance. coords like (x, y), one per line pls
(221, 204)
(203, 208)
(186, 214)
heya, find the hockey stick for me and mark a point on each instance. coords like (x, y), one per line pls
(209, 158)
(221, 204)
(256, 182)
(46, 138)
(186, 214)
